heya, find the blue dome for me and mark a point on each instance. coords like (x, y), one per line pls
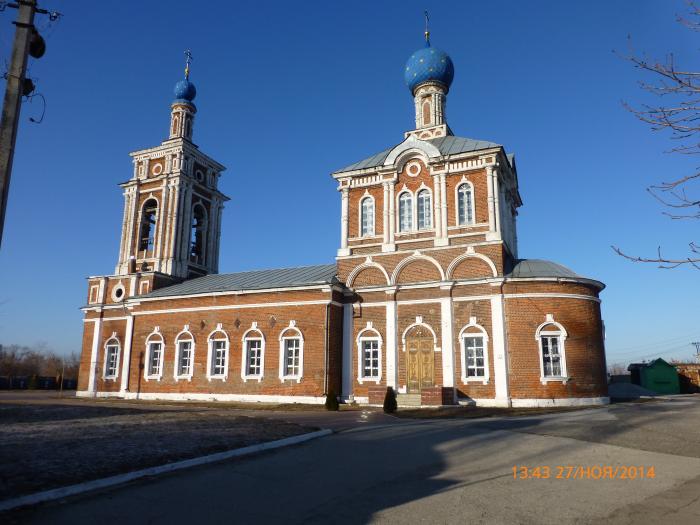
(185, 90)
(429, 64)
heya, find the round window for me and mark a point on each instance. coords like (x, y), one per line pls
(118, 293)
(157, 169)
(200, 175)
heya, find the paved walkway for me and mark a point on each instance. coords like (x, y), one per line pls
(438, 471)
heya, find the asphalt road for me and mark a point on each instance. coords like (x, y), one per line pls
(432, 471)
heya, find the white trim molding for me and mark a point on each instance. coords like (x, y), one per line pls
(210, 352)
(470, 253)
(419, 322)
(560, 334)
(369, 263)
(111, 342)
(417, 256)
(155, 337)
(484, 336)
(250, 335)
(293, 329)
(184, 336)
(369, 333)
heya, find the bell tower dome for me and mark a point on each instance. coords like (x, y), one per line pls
(428, 74)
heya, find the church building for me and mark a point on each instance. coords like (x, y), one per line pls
(427, 294)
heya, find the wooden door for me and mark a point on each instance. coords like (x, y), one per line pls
(420, 363)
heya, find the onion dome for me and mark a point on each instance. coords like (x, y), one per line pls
(429, 65)
(185, 91)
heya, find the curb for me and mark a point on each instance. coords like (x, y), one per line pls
(79, 488)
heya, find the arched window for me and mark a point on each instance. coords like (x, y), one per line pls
(111, 363)
(425, 210)
(253, 355)
(291, 353)
(217, 357)
(550, 336)
(184, 354)
(198, 234)
(473, 340)
(367, 216)
(465, 205)
(405, 212)
(426, 113)
(154, 355)
(369, 355)
(148, 225)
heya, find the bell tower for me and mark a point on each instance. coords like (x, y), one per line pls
(172, 205)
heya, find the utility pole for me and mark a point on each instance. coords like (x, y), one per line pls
(13, 98)
(696, 344)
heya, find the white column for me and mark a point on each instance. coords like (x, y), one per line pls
(347, 353)
(392, 213)
(443, 205)
(489, 191)
(391, 363)
(500, 352)
(93, 355)
(344, 222)
(385, 213)
(126, 354)
(496, 202)
(437, 206)
(448, 367)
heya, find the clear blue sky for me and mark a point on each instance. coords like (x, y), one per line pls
(288, 92)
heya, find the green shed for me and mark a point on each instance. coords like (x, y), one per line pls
(657, 376)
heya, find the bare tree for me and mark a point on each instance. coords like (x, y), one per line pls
(678, 113)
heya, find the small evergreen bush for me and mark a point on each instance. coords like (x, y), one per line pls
(332, 401)
(390, 404)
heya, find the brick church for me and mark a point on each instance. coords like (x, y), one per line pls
(427, 294)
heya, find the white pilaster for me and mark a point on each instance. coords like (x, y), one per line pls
(500, 352)
(448, 368)
(344, 222)
(443, 204)
(126, 355)
(385, 213)
(437, 204)
(97, 330)
(392, 378)
(492, 187)
(392, 213)
(347, 352)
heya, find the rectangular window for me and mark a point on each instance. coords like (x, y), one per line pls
(218, 361)
(155, 352)
(551, 356)
(474, 348)
(253, 357)
(111, 360)
(292, 354)
(184, 365)
(370, 358)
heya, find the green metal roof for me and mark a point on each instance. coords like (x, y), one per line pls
(449, 145)
(254, 280)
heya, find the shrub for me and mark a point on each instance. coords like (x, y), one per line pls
(332, 401)
(390, 404)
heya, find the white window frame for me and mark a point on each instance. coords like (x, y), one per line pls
(562, 334)
(154, 337)
(183, 336)
(210, 353)
(369, 333)
(371, 224)
(295, 333)
(111, 342)
(429, 225)
(472, 208)
(483, 334)
(398, 211)
(252, 334)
